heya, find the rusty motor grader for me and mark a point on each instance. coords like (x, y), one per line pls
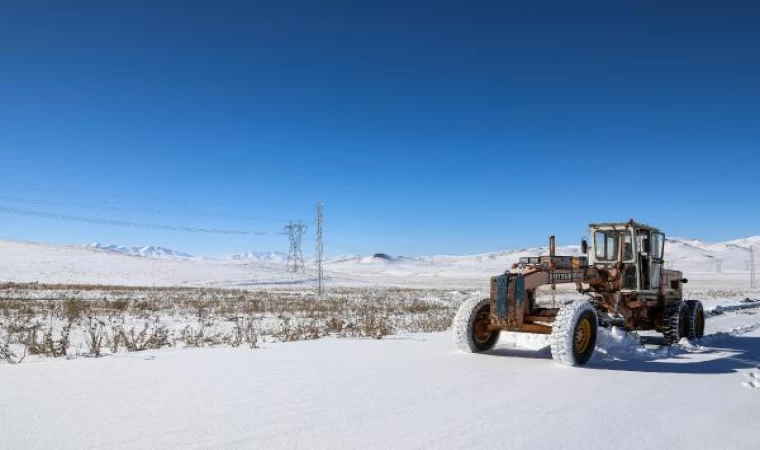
(623, 276)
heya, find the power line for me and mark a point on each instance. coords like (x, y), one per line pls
(127, 223)
(319, 220)
(295, 231)
(110, 207)
(103, 195)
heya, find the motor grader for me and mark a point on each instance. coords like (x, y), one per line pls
(623, 277)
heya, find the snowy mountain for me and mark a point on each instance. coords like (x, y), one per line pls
(690, 255)
(754, 240)
(680, 253)
(260, 257)
(147, 251)
(114, 264)
(695, 255)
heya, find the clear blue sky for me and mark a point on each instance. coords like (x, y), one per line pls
(424, 127)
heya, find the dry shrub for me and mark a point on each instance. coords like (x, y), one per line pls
(94, 336)
(245, 331)
(115, 338)
(120, 305)
(73, 309)
(334, 325)
(148, 338)
(47, 345)
(133, 318)
(6, 353)
(375, 325)
(145, 308)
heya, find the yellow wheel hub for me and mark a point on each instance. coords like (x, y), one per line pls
(482, 330)
(582, 336)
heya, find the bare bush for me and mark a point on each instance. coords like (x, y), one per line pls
(74, 309)
(6, 353)
(47, 344)
(245, 331)
(120, 305)
(94, 336)
(115, 339)
(41, 317)
(375, 325)
(148, 338)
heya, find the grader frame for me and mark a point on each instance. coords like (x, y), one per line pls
(622, 275)
(513, 294)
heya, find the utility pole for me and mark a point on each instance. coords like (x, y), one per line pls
(295, 232)
(753, 282)
(719, 266)
(319, 254)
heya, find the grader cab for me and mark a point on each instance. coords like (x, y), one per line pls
(622, 273)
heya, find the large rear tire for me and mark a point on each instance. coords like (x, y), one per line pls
(472, 332)
(676, 322)
(696, 319)
(574, 332)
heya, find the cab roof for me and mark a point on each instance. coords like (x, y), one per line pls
(631, 223)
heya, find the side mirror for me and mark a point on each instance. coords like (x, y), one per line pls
(584, 246)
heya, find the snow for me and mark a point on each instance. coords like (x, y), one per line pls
(412, 391)
(158, 266)
(147, 250)
(262, 257)
(43, 263)
(403, 391)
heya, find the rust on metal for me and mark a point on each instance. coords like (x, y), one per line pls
(618, 286)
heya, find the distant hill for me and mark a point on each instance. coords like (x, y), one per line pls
(150, 251)
(262, 257)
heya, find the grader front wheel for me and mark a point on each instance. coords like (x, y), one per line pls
(472, 327)
(574, 334)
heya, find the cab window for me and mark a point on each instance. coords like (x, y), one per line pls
(658, 240)
(606, 243)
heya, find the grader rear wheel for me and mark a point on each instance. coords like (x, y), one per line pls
(676, 320)
(696, 319)
(472, 327)
(574, 334)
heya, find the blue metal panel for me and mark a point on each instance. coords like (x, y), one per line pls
(501, 295)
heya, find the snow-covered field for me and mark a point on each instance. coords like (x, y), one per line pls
(156, 266)
(406, 390)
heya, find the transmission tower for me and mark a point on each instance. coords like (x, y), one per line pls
(753, 282)
(295, 232)
(318, 221)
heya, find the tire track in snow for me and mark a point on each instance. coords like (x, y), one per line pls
(736, 309)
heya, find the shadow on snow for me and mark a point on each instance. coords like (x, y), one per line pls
(733, 354)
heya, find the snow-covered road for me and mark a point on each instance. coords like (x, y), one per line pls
(413, 391)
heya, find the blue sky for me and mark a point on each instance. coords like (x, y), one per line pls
(424, 127)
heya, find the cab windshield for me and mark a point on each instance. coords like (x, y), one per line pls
(607, 242)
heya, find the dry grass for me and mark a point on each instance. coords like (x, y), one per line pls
(56, 320)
